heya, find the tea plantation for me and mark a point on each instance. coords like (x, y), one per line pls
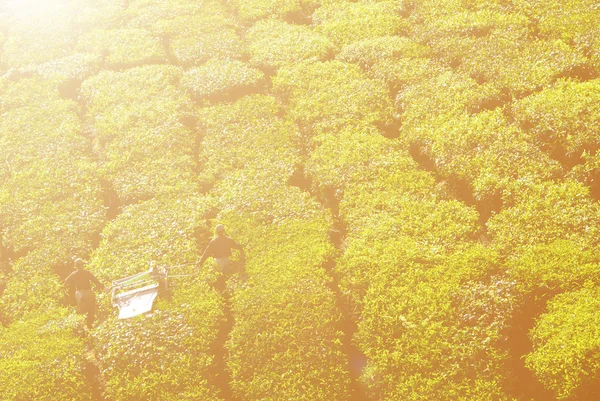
(415, 184)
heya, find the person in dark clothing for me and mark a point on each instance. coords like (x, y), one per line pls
(220, 248)
(81, 281)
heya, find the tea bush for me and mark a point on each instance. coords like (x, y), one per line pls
(318, 93)
(248, 132)
(556, 266)
(26, 91)
(77, 67)
(357, 154)
(388, 206)
(527, 65)
(543, 213)
(439, 326)
(159, 356)
(50, 192)
(194, 32)
(41, 358)
(588, 44)
(411, 227)
(135, 119)
(158, 231)
(488, 152)
(222, 77)
(100, 14)
(347, 22)
(285, 341)
(564, 116)
(32, 285)
(123, 47)
(148, 13)
(368, 52)
(411, 182)
(561, 20)
(433, 102)
(565, 343)
(479, 40)
(223, 43)
(273, 43)
(256, 9)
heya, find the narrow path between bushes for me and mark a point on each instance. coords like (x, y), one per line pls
(356, 360)
(91, 371)
(218, 375)
(70, 90)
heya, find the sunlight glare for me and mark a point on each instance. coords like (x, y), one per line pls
(34, 7)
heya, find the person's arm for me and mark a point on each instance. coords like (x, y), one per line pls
(96, 282)
(69, 280)
(238, 246)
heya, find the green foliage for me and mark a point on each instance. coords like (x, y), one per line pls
(346, 203)
(390, 208)
(41, 359)
(251, 10)
(465, 21)
(166, 354)
(160, 230)
(347, 22)
(543, 213)
(221, 77)
(493, 44)
(556, 266)
(162, 356)
(566, 341)
(396, 60)
(324, 92)
(396, 226)
(143, 85)
(196, 50)
(208, 18)
(195, 31)
(488, 152)
(566, 20)
(588, 170)
(430, 331)
(23, 92)
(147, 13)
(50, 191)
(517, 63)
(78, 66)
(436, 101)
(247, 133)
(484, 149)
(589, 44)
(243, 111)
(285, 342)
(123, 47)
(565, 116)
(32, 285)
(135, 122)
(265, 196)
(372, 50)
(274, 43)
(354, 155)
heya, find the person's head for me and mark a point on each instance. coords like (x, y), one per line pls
(79, 264)
(220, 229)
